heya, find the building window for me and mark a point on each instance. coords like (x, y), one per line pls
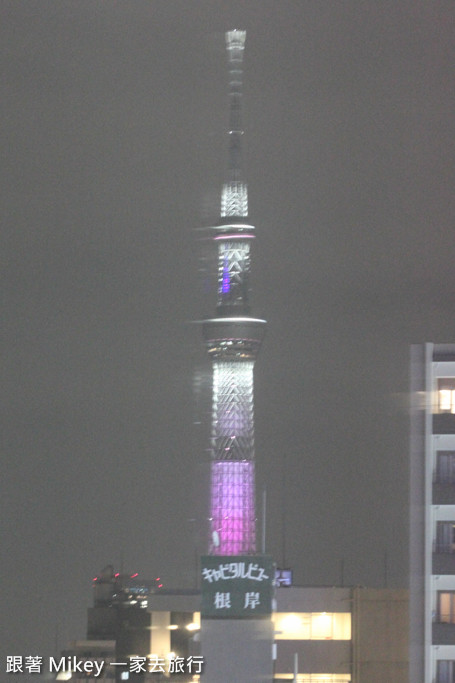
(446, 395)
(446, 607)
(445, 672)
(445, 537)
(313, 678)
(312, 625)
(445, 467)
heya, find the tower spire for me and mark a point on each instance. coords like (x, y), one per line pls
(233, 339)
(234, 195)
(235, 45)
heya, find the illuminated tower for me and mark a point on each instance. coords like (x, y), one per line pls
(233, 339)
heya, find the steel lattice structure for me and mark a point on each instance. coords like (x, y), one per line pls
(233, 271)
(234, 199)
(232, 410)
(233, 339)
(233, 509)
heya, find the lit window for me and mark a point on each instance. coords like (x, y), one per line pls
(322, 626)
(312, 625)
(445, 399)
(446, 395)
(446, 607)
(314, 678)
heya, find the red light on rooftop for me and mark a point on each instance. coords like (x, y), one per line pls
(133, 576)
(116, 575)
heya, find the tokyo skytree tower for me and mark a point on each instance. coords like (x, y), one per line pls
(233, 339)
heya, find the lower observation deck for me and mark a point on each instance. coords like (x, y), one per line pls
(236, 338)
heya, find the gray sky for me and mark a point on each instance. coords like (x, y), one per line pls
(113, 119)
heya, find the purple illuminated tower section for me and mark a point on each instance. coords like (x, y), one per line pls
(233, 339)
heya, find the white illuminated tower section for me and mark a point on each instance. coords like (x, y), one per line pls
(233, 339)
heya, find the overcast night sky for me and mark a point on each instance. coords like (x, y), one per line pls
(114, 119)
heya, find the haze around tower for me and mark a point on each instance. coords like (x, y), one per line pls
(114, 120)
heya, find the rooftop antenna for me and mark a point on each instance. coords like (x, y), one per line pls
(264, 518)
(283, 512)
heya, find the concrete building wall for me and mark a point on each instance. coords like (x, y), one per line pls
(380, 637)
(237, 650)
(314, 656)
(328, 655)
(313, 599)
(371, 647)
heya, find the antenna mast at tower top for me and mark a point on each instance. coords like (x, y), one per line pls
(235, 44)
(234, 197)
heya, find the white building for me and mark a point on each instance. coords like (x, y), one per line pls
(432, 514)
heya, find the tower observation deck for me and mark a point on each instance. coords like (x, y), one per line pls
(233, 339)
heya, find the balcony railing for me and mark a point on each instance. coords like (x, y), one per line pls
(443, 562)
(443, 494)
(443, 423)
(443, 634)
